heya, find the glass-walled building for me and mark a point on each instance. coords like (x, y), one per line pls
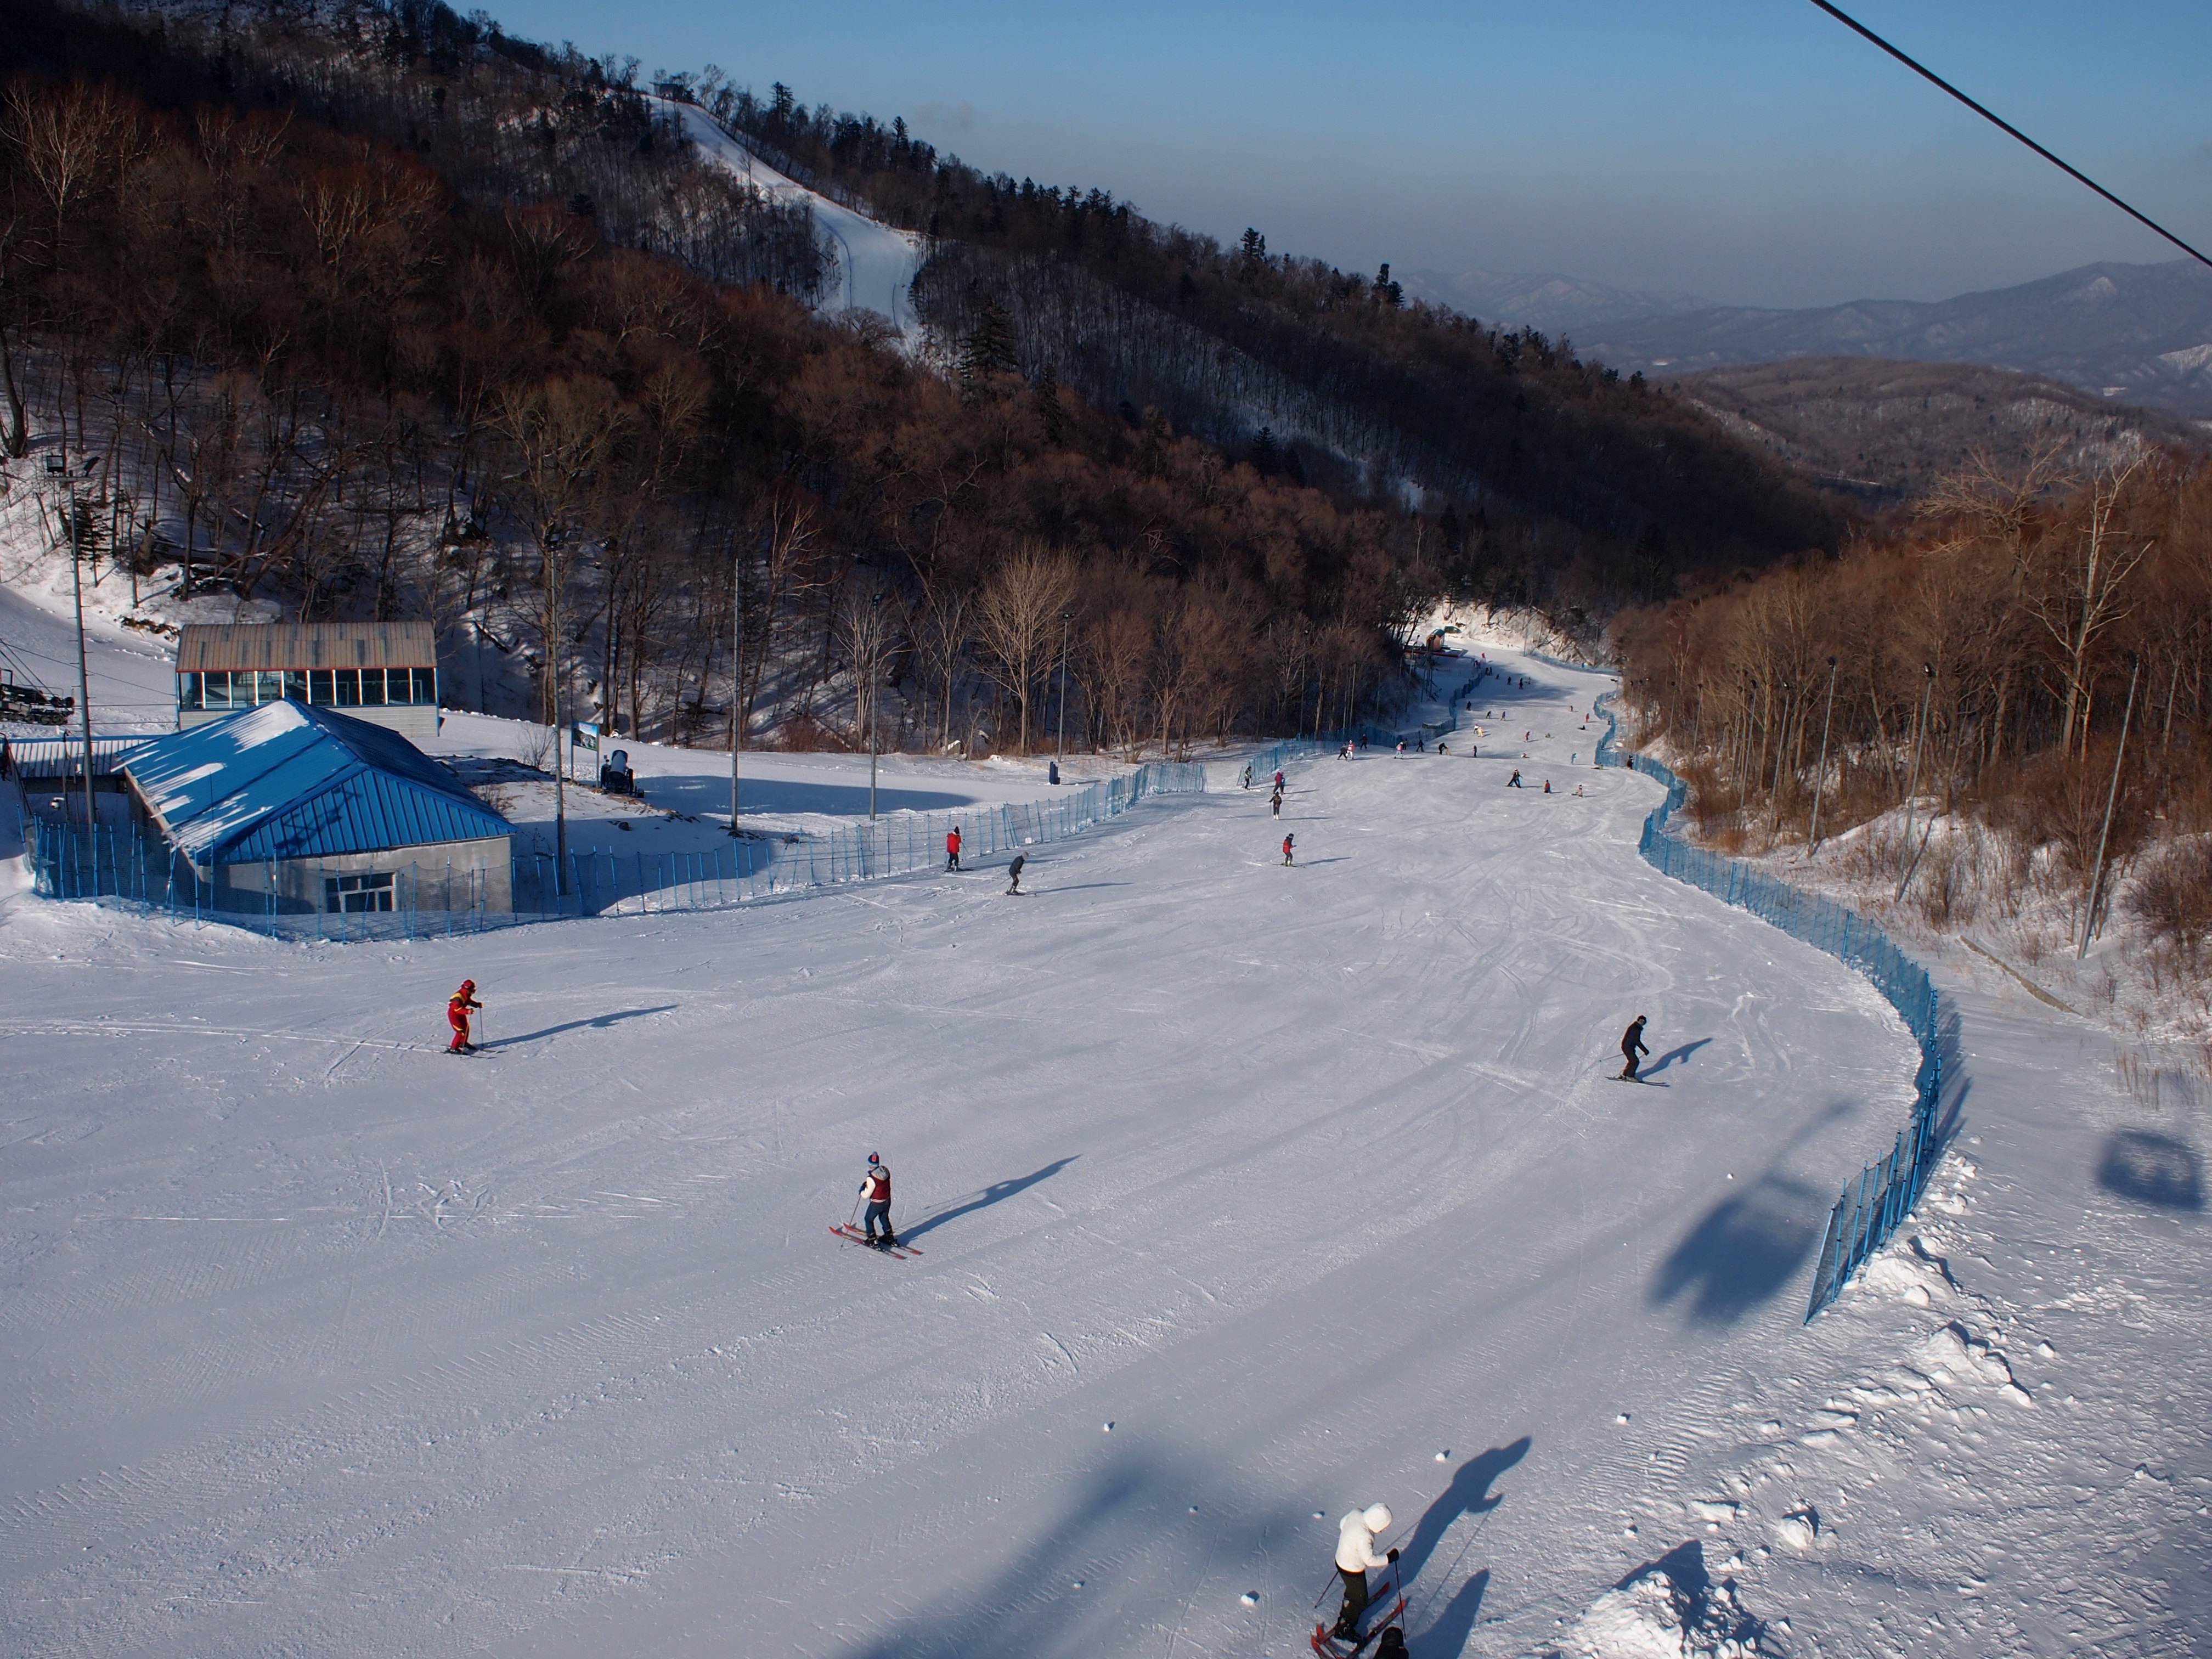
(383, 672)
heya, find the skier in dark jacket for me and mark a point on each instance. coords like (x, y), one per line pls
(1015, 870)
(1631, 1045)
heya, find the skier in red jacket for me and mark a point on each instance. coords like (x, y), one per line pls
(1288, 841)
(951, 851)
(457, 1016)
(876, 1187)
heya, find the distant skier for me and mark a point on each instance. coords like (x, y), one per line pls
(1514, 782)
(953, 852)
(1548, 786)
(1631, 1045)
(457, 1016)
(1275, 804)
(876, 1188)
(1015, 870)
(1288, 843)
(1355, 1558)
(1052, 772)
(1278, 780)
(1247, 774)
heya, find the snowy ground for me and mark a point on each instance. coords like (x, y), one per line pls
(876, 263)
(1246, 1194)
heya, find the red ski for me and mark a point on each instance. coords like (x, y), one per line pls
(1328, 1648)
(853, 1235)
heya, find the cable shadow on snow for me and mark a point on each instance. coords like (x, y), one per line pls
(998, 1192)
(1131, 1516)
(598, 1021)
(2147, 1167)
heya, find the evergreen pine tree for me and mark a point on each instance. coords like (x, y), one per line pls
(1266, 457)
(1055, 418)
(988, 349)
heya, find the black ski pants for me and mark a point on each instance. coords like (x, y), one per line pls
(1628, 1054)
(1355, 1603)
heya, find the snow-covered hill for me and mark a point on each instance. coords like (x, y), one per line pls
(1246, 1194)
(875, 262)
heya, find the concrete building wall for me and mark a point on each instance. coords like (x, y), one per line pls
(450, 875)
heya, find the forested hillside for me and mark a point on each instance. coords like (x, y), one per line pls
(376, 310)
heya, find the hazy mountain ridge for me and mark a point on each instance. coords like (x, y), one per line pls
(2136, 332)
(1546, 300)
(1881, 431)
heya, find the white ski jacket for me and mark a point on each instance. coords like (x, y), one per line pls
(1355, 1545)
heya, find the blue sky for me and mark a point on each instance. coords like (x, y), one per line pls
(1750, 150)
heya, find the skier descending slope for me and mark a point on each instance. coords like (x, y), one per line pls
(1289, 842)
(1015, 870)
(876, 1187)
(457, 1016)
(1631, 1045)
(1355, 1558)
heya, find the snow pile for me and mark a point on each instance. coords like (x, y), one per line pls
(1670, 1609)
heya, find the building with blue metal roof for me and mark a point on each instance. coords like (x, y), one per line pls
(322, 810)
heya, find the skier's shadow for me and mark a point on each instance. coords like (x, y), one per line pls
(1469, 1494)
(995, 1192)
(600, 1021)
(1674, 1055)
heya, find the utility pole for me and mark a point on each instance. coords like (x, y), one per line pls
(1820, 777)
(1781, 748)
(556, 658)
(737, 666)
(875, 643)
(1912, 791)
(83, 678)
(1060, 743)
(2111, 797)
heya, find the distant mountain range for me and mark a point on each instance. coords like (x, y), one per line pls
(2139, 332)
(1545, 301)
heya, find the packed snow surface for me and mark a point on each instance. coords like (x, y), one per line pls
(1242, 1192)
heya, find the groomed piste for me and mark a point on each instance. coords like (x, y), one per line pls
(1246, 1194)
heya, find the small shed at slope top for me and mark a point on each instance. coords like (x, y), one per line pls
(323, 811)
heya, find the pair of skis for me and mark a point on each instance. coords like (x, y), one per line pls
(1330, 1648)
(853, 1235)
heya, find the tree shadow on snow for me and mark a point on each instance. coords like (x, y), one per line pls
(1673, 1054)
(1741, 1251)
(996, 1193)
(600, 1021)
(2152, 1169)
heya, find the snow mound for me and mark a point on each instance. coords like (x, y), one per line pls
(1671, 1609)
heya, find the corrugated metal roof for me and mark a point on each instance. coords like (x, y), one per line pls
(64, 757)
(287, 781)
(205, 647)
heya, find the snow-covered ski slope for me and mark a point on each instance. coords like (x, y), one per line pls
(1247, 1194)
(875, 262)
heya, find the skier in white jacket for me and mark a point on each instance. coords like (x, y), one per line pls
(1355, 1558)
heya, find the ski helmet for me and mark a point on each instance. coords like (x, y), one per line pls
(873, 1158)
(1377, 1517)
(468, 985)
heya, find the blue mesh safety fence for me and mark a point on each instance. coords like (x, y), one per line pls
(1884, 1191)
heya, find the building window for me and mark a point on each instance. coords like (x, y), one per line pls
(372, 688)
(188, 691)
(215, 689)
(426, 687)
(272, 686)
(349, 687)
(356, 894)
(319, 688)
(295, 684)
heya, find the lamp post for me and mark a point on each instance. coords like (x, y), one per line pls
(1912, 791)
(2111, 798)
(1820, 777)
(1059, 742)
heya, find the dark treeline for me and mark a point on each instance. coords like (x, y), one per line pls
(1564, 484)
(273, 336)
(2016, 610)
